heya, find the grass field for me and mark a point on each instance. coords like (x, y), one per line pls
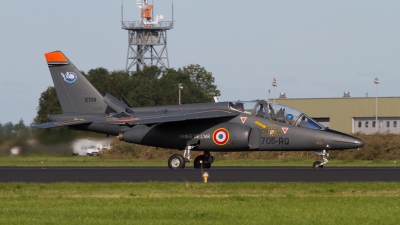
(47, 160)
(199, 203)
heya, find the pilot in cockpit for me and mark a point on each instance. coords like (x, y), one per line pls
(289, 119)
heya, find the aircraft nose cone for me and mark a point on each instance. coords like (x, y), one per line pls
(338, 140)
(359, 143)
(355, 142)
(348, 142)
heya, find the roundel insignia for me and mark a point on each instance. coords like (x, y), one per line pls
(221, 136)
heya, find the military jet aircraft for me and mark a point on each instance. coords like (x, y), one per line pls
(205, 127)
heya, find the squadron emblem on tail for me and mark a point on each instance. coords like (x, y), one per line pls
(69, 77)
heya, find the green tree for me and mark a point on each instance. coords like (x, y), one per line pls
(197, 85)
(2, 134)
(48, 104)
(144, 87)
(203, 81)
(8, 129)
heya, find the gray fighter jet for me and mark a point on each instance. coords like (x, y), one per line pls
(205, 127)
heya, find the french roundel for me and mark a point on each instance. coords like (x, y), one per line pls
(221, 136)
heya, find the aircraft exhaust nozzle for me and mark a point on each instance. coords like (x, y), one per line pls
(134, 135)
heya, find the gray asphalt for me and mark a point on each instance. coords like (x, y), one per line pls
(216, 174)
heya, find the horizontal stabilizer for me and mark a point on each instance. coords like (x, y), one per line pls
(176, 116)
(60, 123)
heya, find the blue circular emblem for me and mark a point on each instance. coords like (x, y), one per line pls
(289, 117)
(69, 77)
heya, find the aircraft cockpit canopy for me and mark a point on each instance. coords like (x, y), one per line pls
(276, 112)
(244, 107)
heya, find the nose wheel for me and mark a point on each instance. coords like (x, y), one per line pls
(317, 165)
(325, 154)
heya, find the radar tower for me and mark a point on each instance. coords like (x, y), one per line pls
(147, 38)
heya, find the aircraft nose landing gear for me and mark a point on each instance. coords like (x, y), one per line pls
(325, 154)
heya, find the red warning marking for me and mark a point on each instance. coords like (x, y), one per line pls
(243, 119)
(284, 129)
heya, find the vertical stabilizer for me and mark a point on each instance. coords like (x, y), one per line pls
(75, 93)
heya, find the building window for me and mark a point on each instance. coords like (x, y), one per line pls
(394, 123)
(359, 124)
(387, 123)
(373, 123)
(366, 123)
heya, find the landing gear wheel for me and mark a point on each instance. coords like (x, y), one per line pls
(176, 162)
(325, 154)
(201, 160)
(316, 165)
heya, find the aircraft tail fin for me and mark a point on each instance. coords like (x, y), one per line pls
(75, 93)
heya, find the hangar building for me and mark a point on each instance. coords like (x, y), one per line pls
(348, 114)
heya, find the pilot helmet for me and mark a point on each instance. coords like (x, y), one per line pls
(289, 117)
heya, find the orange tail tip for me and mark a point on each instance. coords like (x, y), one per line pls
(56, 57)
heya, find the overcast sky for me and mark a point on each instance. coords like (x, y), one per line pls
(313, 48)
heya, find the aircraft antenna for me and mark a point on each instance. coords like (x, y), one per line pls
(122, 11)
(147, 38)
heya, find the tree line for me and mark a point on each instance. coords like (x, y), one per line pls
(15, 132)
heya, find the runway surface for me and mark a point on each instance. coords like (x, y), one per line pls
(216, 174)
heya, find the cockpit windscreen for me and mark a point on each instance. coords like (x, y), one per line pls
(276, 112)
(288, 115)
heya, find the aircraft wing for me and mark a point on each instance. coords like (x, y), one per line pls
(60, 123)
(177, 116)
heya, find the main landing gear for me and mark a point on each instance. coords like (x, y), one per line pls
(325, 154)
(204, 160)
(177, 161)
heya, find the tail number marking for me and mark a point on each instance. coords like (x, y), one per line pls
(275, 141)
(90, 99)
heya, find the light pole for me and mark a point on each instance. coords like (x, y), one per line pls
(180, 88)
(376, 81)
(274, 85)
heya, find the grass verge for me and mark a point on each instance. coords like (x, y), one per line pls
(46, 160)
(198, 203)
